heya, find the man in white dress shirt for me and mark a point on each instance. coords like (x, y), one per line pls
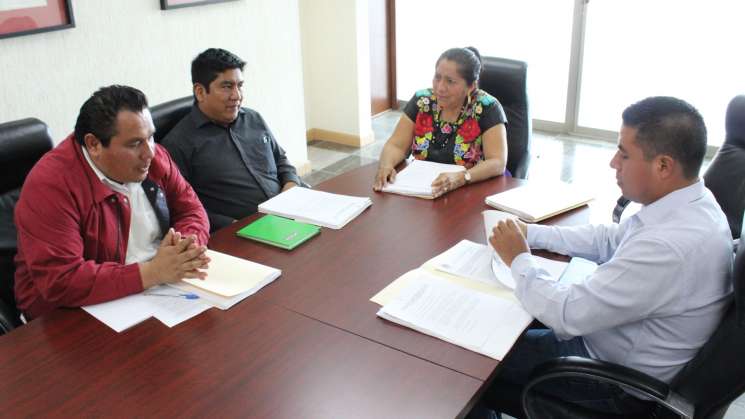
(664, 277)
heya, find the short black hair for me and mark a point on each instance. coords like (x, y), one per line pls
(98, 114)
(468, 61)
(209, 64)
(667, 125)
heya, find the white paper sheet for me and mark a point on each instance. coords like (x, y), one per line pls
(479, 262)
(316, 207)
(168, 307)
(416, 179)
(476, 321)
(467, 259)
(123, 313)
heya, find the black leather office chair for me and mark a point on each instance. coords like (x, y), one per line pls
(725, 177)
(726, 174)
(507, 80)
(704, 388)
(22, 143)
(168, 114)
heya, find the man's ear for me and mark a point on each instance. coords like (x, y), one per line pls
(92, 144)
(665, 166)
(199, 92)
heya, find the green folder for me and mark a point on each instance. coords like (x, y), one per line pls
(279, 231)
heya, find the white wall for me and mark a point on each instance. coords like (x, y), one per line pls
(336, 61)
(133, 42)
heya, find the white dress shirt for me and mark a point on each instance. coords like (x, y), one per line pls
(660, 291)
(144, 230)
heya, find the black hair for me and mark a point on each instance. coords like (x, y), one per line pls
(98, 114)
(209, 64)
(667, 125)
(468, 61)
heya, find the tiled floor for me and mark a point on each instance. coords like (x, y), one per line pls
(575, 160)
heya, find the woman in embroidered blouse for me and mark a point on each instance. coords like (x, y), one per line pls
(453, 122)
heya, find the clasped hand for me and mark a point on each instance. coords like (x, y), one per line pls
(178, 257)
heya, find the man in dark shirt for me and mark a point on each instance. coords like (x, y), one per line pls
(226, 152)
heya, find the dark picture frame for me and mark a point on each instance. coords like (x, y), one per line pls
(177, 4)
(27, 17)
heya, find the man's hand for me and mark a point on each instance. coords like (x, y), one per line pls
(177, 258)
(508, 239)
(446, 182)
(385, 175)
(288, 185)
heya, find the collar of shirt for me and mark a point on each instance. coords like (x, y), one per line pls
(200, 119)
(658, 210)
(124, 188)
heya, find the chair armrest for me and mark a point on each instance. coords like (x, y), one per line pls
(636, 382)
(8, 319)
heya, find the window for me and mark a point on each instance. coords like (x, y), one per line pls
(624, 50)
(536, 31)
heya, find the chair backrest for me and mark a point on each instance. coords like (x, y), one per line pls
(168, 114)
(22, 143)
(725, 177)
(507, 80)
(716, 375)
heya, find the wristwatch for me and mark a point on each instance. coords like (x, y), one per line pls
(467, 176)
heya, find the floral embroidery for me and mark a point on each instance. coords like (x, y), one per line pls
(467, 150)
(423, 124)
(469, 130)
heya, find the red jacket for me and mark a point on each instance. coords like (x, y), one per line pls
(73, 231)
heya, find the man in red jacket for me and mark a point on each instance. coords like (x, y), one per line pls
(106, 214)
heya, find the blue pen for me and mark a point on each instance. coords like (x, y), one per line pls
(188, 296)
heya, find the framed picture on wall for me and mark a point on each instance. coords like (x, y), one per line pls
(25, 17)
(175, 4)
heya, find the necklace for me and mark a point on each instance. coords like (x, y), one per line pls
(447, 128)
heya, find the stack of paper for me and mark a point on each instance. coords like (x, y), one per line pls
(229, 280)
(315, 207)
(456, 297)
(416, 179)
(537, 201)
(474, 320)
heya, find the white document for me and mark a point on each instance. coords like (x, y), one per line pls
(228, 276)
(416, 179)
(473, 320)
(123, 313)
(323, 209)
(467, 259)
(538, 201)
(162, 302)
(171, 307)
(479, 262)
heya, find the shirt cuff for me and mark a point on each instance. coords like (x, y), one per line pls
(523, 267)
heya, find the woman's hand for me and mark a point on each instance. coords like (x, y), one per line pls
(385, 175)
(447, 182)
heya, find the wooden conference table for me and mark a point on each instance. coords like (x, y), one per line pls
(309, 345)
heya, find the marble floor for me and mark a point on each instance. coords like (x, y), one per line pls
(572, 159)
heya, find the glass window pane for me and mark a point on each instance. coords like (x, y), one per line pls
(536, 31)
(683, 48)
